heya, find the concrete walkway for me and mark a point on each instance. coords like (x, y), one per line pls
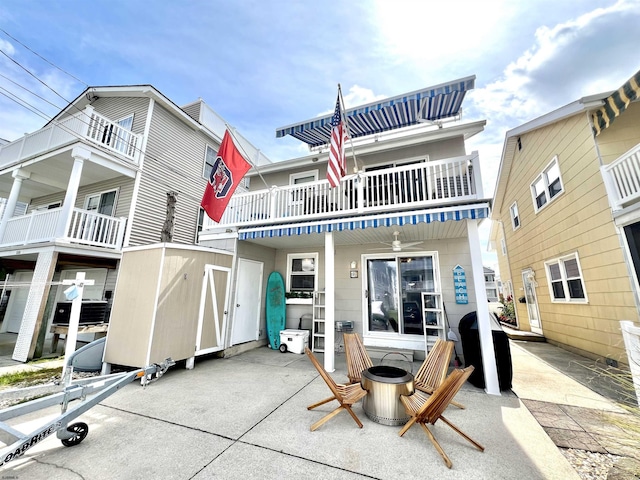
(245, 417)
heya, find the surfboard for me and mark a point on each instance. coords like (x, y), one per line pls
(276, 309)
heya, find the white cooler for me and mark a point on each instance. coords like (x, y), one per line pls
(293, 341)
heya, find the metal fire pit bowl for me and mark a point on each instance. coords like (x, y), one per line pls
(385, 384)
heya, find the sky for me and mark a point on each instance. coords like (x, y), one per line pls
(264, 64)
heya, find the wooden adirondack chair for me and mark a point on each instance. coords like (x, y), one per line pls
(357, 357)
(346, 395)
(428, 409)
(434, 369)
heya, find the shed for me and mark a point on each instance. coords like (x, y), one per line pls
(170, 301)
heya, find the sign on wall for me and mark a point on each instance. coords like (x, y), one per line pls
(460, 285)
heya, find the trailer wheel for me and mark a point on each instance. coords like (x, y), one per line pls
(79, 430)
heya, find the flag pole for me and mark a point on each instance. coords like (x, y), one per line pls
(246, 155)
(346, 121)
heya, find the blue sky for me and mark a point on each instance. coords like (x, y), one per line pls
(268, 63)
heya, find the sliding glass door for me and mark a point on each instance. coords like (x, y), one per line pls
(394, 292)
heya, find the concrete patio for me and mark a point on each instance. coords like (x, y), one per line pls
(246, 417)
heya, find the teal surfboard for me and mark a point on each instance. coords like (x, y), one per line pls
(276, 309)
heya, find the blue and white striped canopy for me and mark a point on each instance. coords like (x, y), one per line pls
(338, 225)
(429, 104)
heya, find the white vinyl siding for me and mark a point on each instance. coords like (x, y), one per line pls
(173, 162)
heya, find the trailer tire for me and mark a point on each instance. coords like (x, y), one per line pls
(79, 430)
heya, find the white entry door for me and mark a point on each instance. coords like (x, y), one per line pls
(529, 282)
(246, 318)
(17, 302)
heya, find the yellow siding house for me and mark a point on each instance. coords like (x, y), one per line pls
(566, 222)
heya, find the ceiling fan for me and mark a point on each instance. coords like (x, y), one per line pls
(397, 245)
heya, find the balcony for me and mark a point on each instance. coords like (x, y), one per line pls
(85, 125)
(622, 179)
(422, 185)
(86, 227)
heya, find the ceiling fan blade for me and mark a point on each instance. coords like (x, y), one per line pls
(410, 244)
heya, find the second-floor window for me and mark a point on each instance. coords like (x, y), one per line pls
(565, 279)
(209, 160)
(515, 216)
(547, 185)
(102, 202)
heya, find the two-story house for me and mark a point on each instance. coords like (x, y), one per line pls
(566, 222)
(120, 166)
(392, 252)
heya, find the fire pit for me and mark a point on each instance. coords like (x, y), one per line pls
(385, 384)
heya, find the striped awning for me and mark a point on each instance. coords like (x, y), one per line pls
(337, 225)
(615, 104)
(430, 104)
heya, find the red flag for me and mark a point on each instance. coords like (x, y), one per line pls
(228, 169)
(337, 166)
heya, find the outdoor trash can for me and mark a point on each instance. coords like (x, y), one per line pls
(468, 328)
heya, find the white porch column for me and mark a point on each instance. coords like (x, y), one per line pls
(329, 301)
(484, 323)
(35, 306)
(79, 156)
(18, 177)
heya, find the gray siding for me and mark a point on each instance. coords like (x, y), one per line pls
(193, 110)
(173, 162)
(124, 185)
(118, 108)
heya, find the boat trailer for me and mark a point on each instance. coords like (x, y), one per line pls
(18, 443)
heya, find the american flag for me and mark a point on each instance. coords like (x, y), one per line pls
(337, 166)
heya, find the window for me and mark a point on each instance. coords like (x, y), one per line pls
(515, 217)
(303, 177)
(503, 245)
(102, 202)
(200, 222)
(124, 137)
(565, 279)
(298, 196)
(209, 160)
(49, 206)
(302, 273)
(547, 186)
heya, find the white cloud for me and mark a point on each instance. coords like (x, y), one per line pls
(579, 57)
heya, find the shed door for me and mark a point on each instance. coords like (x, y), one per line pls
(212, 317)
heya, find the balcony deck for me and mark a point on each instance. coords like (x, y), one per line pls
(85, 125)
(622, 179)
(85, 228)
(416, 186)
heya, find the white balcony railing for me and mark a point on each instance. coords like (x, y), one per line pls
(420, 185)
(622, 179)
(86, 125)
(87, 228)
